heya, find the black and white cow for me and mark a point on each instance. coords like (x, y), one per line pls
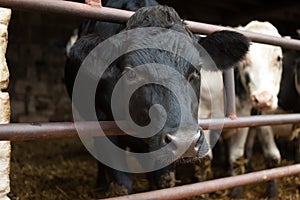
(289, 94)
(257, 81)
(221, 46)
(260, 76)
(288, 102)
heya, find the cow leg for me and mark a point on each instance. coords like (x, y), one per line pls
(296, 128)
(271, 154)
(121, 183)
(116, 183)
(220, 153)
(203, 170)
(297, 154)
(113, 182)
(102, 178)
(237, 160)
(249, 148)
(202, 167)
(165, 177)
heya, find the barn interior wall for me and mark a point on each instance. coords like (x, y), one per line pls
(36, 60)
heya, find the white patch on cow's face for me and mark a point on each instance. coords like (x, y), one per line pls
(261, 74)
(262, 68)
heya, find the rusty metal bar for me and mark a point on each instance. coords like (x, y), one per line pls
(196, 189)
(68, 8)
(250, 121)
(229, 104)
(55, 130)
(117, 15)
(254, 37)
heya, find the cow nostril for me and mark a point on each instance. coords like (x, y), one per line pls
(262, 100)
(167, 139)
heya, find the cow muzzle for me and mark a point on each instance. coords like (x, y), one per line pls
(262, 100)
(197, 148)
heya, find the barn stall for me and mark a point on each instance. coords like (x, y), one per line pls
(34, 97)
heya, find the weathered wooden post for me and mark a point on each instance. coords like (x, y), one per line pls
(4, 105)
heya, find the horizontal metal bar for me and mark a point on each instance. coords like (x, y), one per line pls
(196, 189)
(254, 37)
(68, 8)
(55, 130)
(250, 121)
(117, 15)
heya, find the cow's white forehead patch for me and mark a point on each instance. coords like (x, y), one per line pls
(263, 63)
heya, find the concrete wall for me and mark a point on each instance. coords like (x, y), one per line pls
(5, 148)
(36, 60)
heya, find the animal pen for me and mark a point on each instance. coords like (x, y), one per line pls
(35, 131)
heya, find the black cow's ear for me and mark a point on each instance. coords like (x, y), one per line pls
(226, 48)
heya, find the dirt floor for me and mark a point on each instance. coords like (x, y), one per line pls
(63, 169)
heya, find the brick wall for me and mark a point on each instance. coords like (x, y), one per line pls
(36, 58)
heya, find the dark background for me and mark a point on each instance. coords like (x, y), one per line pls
(36, 48)
(285, 15)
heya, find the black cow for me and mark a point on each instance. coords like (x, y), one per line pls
(289, 94)
(286, 140)
(224, 47)
(289, 101)
(107, 29)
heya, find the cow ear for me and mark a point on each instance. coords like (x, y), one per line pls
(226, 48)
(77, 53)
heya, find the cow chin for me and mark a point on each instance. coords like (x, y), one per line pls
(197, 148)
(201, 155)
(186, 160)
(202, 152)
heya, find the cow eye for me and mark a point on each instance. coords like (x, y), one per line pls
(247, 78)
(279, 58)
(130, 72)
(194, 75)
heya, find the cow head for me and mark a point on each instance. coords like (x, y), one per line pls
(177, 95)
(159, 86)
(261, 69)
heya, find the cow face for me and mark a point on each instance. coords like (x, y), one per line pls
(158, 87)
(261, 69)
(178, 95)
(163, 91)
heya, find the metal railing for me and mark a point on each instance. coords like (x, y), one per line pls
(196, 189)
(55, 130)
